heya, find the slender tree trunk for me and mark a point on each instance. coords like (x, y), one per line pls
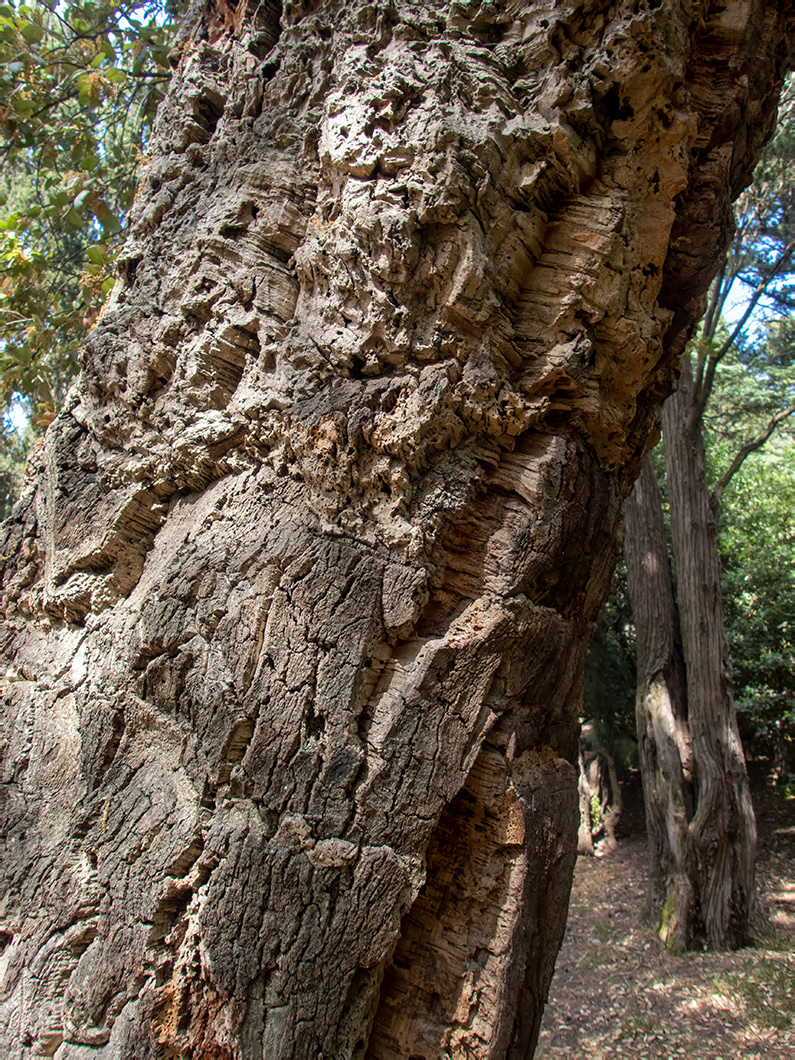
(611, 802)
(662, 717)
(298, 599)
(722, 835)
(585, 830)
(598, 780)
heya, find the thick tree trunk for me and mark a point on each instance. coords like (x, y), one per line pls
(721, 848)
(297, 604)
(661, 707)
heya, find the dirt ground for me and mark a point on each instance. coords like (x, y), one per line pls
(616, 993)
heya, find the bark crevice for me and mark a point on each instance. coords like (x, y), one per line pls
(349, 446)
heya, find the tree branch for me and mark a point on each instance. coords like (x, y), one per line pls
(745, 451)
(701, 394)
(715, 303)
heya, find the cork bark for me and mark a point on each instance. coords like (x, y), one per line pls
(297, 599)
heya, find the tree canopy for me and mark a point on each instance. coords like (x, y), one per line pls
(79, 87)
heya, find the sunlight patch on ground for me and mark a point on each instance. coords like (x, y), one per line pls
(617, 994)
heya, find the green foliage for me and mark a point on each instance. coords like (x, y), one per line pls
(765, 217)
(751, 445)
(79, 86)
(757, 547)
(755, 383)
(609, 697)
(14, 450)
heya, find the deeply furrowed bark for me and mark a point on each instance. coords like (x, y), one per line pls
(297, 603)
(699, 815)
(664, 742)
(720, 852)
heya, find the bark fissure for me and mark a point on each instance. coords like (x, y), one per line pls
(458, 948)
(664, 740)
(721, 850)
(384, 353)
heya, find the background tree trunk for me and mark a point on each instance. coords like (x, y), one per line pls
(600, 795)
(664, 743)
(722, 835)
(298, 599)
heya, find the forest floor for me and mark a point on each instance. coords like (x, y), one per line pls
(617, 993)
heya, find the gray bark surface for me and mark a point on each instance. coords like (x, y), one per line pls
(297, 600)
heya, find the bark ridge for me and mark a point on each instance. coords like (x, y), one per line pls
(297, 602)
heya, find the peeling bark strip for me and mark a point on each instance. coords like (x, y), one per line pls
(297, 603)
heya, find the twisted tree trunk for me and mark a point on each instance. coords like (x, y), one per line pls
(699, 815)
(297, 601)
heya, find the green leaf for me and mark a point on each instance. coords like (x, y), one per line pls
(107, 218)
(31, 32)
(22, 106)
(94, 135)
(84, 91)
(108, 285)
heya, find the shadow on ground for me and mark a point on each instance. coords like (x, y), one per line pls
(615, 993)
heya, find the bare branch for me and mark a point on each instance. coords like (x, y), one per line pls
(702, 393)
(716, 300)
(745, 451)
